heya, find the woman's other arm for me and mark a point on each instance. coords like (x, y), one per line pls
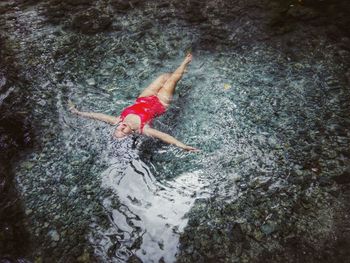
(167, 138)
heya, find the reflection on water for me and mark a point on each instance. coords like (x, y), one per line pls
(151, 213)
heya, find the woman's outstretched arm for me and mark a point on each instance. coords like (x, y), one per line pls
(167, 138)
(94, 115)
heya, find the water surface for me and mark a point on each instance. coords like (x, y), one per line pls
(266, 101)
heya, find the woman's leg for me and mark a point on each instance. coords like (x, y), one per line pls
(155, 86)
(165, 94)
(94, 115)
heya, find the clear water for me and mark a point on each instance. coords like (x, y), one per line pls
(255, 113)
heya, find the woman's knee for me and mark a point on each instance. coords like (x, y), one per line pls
(165, 76)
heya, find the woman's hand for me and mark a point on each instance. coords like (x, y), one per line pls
(72, 108)
(190, 148)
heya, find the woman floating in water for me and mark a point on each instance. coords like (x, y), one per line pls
(152, 102)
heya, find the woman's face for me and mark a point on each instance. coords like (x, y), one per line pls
(122, 130)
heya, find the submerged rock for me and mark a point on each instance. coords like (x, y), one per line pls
(124, 5)
(343, 178)
(78, 2)
(91, 21)
(91, 82)
(268, 228)
(302, 13)
(54, 235)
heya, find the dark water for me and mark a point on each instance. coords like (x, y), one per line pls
(266, 99)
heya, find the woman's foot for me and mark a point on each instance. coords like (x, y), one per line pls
(187, 59)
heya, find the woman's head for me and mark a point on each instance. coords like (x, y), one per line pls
(122, 130)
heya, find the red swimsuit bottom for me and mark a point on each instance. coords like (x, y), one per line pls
(147, 108)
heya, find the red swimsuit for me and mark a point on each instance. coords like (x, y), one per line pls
(146, 108)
